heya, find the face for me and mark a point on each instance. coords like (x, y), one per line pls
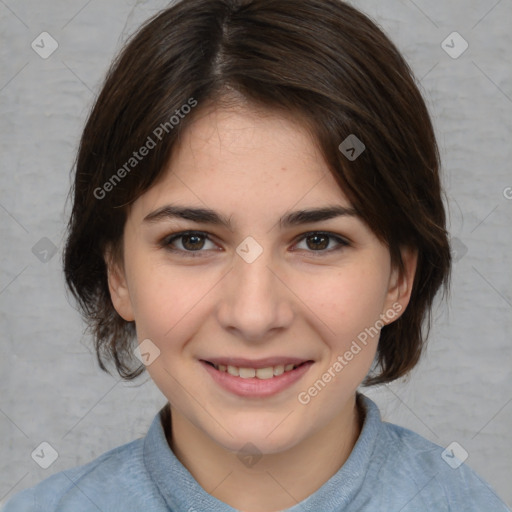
(266, 320)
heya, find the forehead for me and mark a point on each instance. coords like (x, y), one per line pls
(246, 158)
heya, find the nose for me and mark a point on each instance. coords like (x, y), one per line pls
(255, 302)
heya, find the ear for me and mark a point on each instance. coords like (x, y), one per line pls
(118, 287)
(400, 283)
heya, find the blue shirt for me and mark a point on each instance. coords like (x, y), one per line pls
(390, 469)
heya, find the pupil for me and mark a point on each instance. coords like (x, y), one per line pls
(194, 244)
(316, 238)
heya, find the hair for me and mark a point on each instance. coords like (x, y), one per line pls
(323, 62)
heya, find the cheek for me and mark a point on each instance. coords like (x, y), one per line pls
(167, 302)
(346, 302)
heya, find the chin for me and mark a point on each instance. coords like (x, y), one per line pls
(259, 434)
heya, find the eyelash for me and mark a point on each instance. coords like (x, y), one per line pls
(168, 240)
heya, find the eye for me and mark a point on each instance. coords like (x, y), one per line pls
(193, 243)
(319, 241)
(187, 242)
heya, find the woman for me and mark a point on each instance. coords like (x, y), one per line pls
(257, 201)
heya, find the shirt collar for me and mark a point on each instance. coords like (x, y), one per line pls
(182, 492)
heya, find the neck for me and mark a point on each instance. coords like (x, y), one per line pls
(277, 481)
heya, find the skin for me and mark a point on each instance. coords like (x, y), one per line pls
(298, 298)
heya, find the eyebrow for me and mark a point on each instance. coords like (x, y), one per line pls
(208, 216)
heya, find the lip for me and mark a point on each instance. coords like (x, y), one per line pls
(240, 362)
(254, 387)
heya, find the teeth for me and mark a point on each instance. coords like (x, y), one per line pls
(233, 370)
(278, 370)
(260, 373)
(265, 373)
(247, 373)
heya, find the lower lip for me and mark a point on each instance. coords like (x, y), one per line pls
(254, 387)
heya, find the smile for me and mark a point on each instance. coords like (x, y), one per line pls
(256, 379)
(268, 372)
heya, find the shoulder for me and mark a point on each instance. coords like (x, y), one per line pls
(432, 476)
(89, 487)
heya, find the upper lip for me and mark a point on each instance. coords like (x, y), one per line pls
(241, 362)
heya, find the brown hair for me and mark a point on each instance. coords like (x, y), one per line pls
(322, 61)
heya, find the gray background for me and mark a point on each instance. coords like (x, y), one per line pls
(50, 387)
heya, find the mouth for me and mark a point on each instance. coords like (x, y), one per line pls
(254, 371)
(256, 378)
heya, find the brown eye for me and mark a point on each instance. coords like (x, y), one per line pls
(192, 242)
(188, 242)
(319, 242)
